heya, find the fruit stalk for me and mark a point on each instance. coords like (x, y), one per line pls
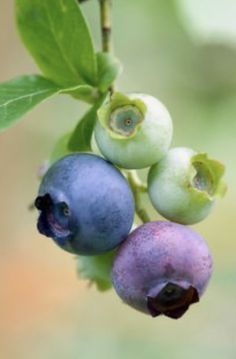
(106, 30)
(138, 188)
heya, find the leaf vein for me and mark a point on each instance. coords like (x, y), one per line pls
(30, 96)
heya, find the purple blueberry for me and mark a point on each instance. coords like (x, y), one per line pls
(162, 268)
(85, 204)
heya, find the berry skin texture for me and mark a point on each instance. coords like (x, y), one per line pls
(133, 131)
(184, 185)
(86, 205)
(162, 268)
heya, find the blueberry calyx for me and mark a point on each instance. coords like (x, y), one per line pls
(54, 219)
(124, 120)
(172, 301)
(122, 116)
(203, 180)
(207, 177)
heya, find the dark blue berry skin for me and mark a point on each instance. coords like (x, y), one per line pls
(86, 205)
(162, 268)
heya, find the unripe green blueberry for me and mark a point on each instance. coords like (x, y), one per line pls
(183, 186)
(133, 131)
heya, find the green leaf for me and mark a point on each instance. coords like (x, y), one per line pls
(20, 95)
(60, 149)
(81, 137)
(109, 68)
(57, 36)
(85, 93)
(97, 269)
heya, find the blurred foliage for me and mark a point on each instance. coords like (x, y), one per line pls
(220, 27)
(46, 311)
(97, 269)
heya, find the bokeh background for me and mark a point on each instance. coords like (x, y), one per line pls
(183, 52)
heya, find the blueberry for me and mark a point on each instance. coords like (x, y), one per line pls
(162, 268)
(184, 185)
(133, 131)
(85, 204)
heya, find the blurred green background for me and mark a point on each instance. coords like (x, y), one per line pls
(183, 52)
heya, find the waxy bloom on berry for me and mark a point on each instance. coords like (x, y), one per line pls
(184, 185)
(134, 130)
(162, 268)
(85, 204)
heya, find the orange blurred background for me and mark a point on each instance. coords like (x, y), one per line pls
(45, 311)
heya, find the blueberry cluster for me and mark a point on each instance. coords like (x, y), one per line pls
(87, 206)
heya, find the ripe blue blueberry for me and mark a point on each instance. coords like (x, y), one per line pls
(85, 204)
(133, 131)
(162, 268)
(184, 185)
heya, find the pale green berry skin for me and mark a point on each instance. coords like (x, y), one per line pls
(147, 145)
(179, 192)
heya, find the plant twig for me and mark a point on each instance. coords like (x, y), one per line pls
(105, 13)
(106, 29)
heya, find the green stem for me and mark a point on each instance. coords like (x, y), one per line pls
(105, 11)
(138, 188)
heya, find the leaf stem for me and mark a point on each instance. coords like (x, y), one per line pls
(138, 188)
